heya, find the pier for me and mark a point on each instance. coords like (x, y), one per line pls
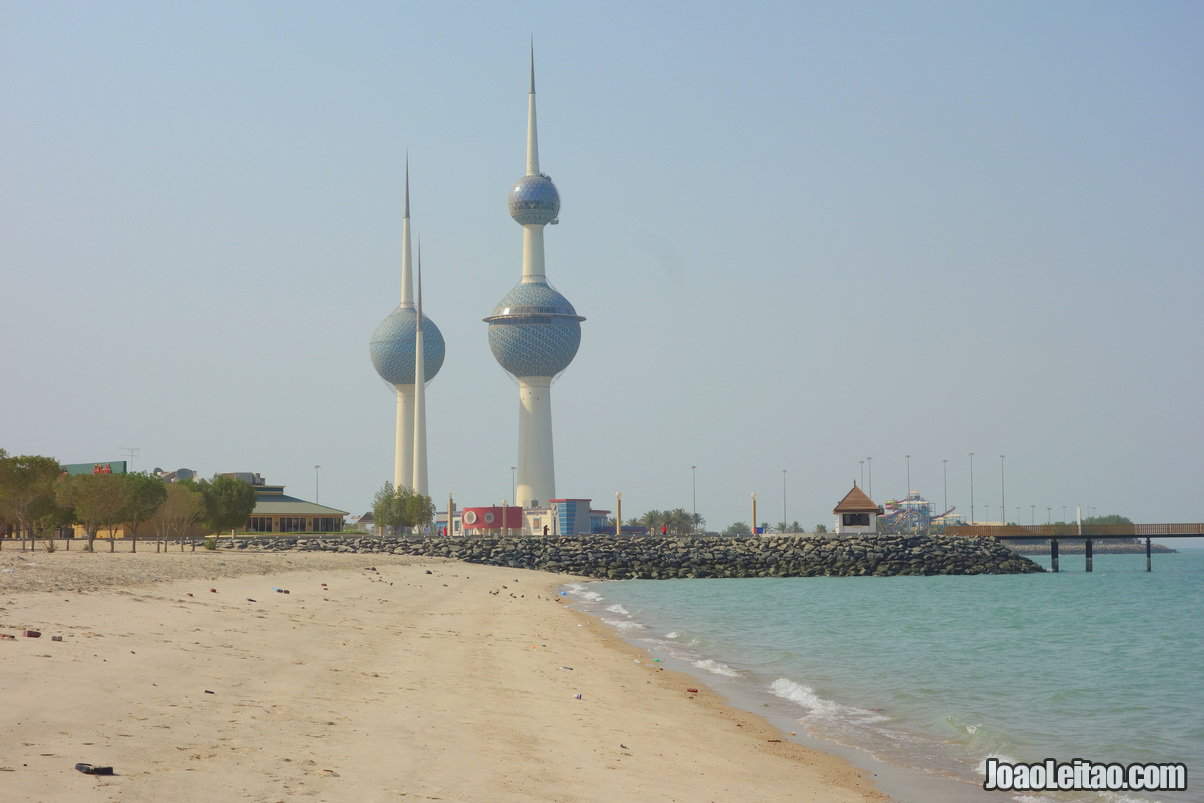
(1089, 533)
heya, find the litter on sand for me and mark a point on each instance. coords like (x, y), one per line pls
(88, 769)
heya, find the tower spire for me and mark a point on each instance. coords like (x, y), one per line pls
(407, 293)
(419, 474)
(532, 137)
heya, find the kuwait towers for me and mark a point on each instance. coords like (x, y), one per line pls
(534, 331)
(405, 345)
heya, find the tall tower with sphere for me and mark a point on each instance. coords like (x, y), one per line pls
(393, 348)
(534, 332)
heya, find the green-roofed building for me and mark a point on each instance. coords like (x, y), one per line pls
(276, 512)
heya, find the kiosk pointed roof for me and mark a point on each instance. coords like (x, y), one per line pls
(855, 501)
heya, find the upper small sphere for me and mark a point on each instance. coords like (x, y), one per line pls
(392, 347)
(534, 199)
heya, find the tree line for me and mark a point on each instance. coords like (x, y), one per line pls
(37, 497)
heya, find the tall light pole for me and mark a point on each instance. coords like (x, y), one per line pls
(513, 485)
(693, 497)
(754, 505)
(1063, 513)
(618, 512)
(783, 500)
(1048, 515)
(945, 479)
(869, 470)
(317, 496)
(1032, 515)
(907, 457)
(971, 487)
(1003, 499)
(861, 471)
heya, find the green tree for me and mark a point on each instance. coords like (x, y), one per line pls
(144, 496)
(228, 503)
(27, 489)
(821, 528)
(737, 528)
(183, 506)
(653, 520)
(386, 508)
(417, 509)
(97, 500)
(394, 508)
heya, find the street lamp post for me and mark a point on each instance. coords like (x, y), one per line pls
(1048, 515)
(513, 485)
(907, 457)
(783, 500)
(945, 479)
(618, 512)
(693, 496)
(971, 487)
(861, 471)
(869, 470)
(754, 512)
(317, 496)
(1003, 501)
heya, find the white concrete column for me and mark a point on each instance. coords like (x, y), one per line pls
(533, 264)
(536, 472)
(403, 451)
(419, 475)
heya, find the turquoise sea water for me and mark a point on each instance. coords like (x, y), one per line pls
(937, 673)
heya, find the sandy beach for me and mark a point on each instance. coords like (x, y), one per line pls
(398, 679)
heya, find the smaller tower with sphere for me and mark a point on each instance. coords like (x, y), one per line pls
(393, 348)
(534, 332)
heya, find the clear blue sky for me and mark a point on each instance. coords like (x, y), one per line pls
(801, 234)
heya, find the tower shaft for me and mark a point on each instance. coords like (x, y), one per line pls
(419, 478)
(407, 281)
(536, 467)
(533, 260)
(403, 454)
(403, 462)
(419, 471)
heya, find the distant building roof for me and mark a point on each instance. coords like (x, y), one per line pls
(270, 500)
(855, 501)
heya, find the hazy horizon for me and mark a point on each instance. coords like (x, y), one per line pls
(801, 234)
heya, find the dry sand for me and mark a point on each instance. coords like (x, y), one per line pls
(419, 680)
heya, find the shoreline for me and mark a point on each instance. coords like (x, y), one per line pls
(402, 676)
(896, 781)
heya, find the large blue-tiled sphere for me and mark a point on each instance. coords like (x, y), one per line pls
(534, 199)
(534, 331)
(392, 347)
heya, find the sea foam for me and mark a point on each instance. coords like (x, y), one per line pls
(819, 707)
(617, 608)
(717, 668)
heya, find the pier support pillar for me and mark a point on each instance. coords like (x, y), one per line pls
(1053, 554)
(1148, 562)
(1087, 549)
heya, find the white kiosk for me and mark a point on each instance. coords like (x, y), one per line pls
(856, 514)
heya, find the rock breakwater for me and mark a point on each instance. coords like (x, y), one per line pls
(655, 557)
